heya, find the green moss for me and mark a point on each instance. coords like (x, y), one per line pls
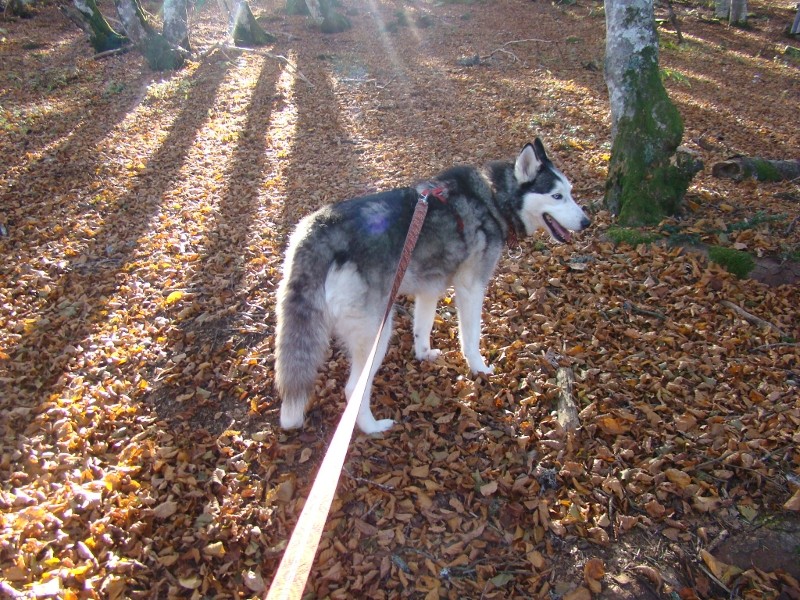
(735, 261)
(632, 237)
(335, 22)
(766, 171)
(644, 184)
(160, 55)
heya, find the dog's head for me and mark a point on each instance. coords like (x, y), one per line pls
(546, 193)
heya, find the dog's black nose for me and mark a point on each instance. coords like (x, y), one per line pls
(585, 222)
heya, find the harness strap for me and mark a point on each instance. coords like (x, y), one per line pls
(292, 574)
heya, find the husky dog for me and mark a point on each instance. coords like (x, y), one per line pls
(341, 261)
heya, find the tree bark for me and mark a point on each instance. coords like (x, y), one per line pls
(739, 168)
(245, 30)
(738, 15)
(19, 8)
(161, 55)
(136, 26)
(646, 180)
(722, 8)
(86, 15)
(176, 23)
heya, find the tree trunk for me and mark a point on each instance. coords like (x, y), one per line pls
(796, 25)
(245, 30)
(297, 7)
(315, 10)
(161, 55)
(762, 169)
(722, 9)
(646, 180)
(86, 15)
(738, 14)
(332, 21)
(19, 8)
(133, 21)
(176, 23)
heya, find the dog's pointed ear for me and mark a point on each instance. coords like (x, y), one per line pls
(538, 148)
(528, 163)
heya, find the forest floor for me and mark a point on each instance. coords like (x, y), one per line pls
(144, 217)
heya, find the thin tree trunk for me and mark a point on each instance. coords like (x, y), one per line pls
(646, 181)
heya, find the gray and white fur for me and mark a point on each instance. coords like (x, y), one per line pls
(342, 258)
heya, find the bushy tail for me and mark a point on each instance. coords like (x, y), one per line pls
(303, 332)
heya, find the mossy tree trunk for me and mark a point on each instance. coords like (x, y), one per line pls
(86, 15)
(162, 51)
(332, 21)
(646, 179)
(161, 54)
(322, 12)
(245, 29)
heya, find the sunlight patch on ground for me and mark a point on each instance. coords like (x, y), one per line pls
(385, 39)
(195, 191)
(765, 60)
(711, 107)
(169, 251)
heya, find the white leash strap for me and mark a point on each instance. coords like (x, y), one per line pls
(292, 574)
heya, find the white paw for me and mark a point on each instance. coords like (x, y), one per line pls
(376, 426)
(431, 354)
(482, 368)
(292, 416)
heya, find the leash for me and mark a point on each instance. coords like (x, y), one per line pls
(292, 574)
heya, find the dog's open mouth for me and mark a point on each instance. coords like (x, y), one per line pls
(556, 230)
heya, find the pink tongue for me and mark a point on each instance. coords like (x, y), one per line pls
(559, 229)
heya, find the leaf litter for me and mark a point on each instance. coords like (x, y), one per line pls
(144, 219)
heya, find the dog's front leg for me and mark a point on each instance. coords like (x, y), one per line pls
(424, 314)
(469, 300)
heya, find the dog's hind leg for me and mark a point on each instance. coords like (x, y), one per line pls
(424, 314)
(359, 339)
(469, 300)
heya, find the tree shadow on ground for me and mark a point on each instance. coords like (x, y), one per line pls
(42, 355)
(220, 301)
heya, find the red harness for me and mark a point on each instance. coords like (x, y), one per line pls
(440, 193)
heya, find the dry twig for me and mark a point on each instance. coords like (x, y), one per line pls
(751, 318)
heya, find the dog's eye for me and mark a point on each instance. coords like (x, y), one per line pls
(557, 196)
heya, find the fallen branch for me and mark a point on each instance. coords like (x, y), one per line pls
(778, 345)
(283, 59)
(113, 52)
(380, 486)
(750, 318)
(630, 306)
(502, 49)
(739, 168)
(567, 410)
